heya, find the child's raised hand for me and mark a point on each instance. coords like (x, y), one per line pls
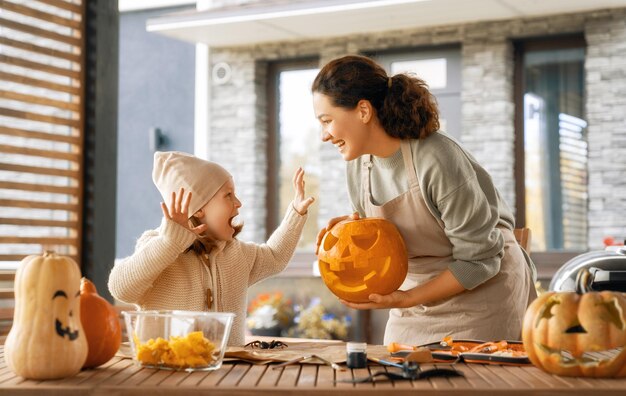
(178, 211)
(300, 204)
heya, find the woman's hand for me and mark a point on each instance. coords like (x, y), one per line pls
(178, 211)
(397, 299)
(331, 223)
(300, 204)
(441, 287)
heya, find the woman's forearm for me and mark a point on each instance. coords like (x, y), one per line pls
(443, 286)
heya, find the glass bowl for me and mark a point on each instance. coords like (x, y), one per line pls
(178, 340)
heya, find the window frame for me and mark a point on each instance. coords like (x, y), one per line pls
(547, 262)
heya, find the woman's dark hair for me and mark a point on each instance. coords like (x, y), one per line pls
(203, 245)
(403, 103)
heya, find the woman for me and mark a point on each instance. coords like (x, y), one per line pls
(468, 277)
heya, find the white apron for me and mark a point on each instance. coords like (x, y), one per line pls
(492, 311)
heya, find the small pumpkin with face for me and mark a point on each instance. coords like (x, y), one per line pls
(574, 334)
(46, 340)
(360, 257)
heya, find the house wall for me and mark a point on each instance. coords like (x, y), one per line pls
(606, 103)
(156, 89)
(238, 108)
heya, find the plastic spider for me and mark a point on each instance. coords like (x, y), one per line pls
(266, 345)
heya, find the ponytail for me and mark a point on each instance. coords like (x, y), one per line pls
(409, 110)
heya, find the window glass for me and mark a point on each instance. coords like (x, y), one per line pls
(440, 68)
(555, 146)
(299, 144)
(433, 71)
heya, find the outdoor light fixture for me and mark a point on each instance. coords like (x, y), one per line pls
(157, 139)
(220, 74)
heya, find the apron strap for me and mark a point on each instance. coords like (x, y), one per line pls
(409, 168)
(365, 180)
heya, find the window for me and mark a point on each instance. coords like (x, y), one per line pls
(294, 140)
(41, 128)
(551, 148)
(440, 68)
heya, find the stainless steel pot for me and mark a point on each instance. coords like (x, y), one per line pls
(593, 271)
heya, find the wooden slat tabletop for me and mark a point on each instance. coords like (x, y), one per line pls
(121, 376)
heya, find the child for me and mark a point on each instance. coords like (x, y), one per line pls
(193, 261)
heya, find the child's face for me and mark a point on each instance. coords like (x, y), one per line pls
(219, 212)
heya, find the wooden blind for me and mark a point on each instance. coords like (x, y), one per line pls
(41, 127)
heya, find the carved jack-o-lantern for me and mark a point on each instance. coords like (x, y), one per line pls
(361, 257)
(46, 340)
(577, 334)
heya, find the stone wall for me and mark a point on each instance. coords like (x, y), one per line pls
(238, 108)
(605, 69)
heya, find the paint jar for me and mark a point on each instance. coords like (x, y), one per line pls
(356, 355)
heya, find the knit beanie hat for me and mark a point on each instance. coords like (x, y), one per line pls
(173, 170)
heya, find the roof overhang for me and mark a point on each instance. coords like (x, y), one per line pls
(278, 21)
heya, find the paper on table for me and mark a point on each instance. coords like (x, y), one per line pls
(335, 353)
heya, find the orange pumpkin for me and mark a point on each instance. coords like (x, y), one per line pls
(361, 257)
(100, 323)
(577, 334)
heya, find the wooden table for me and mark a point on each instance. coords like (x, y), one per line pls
(120, 376)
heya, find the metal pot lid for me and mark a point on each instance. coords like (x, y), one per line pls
(610, 260)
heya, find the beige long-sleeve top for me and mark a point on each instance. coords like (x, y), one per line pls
(160, 275)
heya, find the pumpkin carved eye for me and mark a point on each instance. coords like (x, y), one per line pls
(613, 314)
(365, 241)
(546, 310)
(329, 241)
(361, 257)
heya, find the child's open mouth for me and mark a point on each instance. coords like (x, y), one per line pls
(231, 220)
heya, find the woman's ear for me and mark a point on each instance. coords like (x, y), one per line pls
(199, 214)
(365, 110)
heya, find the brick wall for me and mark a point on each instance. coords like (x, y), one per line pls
(238, 131)
(605, 69)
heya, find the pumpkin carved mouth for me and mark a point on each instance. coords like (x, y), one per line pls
(588, 359)
(62, 332)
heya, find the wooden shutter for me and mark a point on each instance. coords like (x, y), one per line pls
(41, 127)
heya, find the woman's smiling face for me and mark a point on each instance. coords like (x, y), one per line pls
(345, 128)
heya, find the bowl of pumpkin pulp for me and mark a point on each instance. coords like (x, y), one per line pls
(178, 340)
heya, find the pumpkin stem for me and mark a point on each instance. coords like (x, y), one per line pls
(48, 253)
(583, 281)
(87, 286)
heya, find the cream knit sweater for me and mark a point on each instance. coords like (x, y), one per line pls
(159, 275)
